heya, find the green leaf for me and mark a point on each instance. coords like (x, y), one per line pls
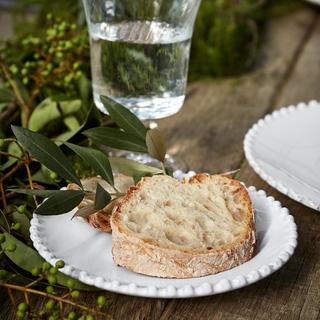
(98, 161)
(132, 168)
(6, 95)
(71, 123)
(60, 202)
(45, 112)
(102, 198)
(43, 176)
(65, 136)
(84, 88)
(3, 221)
(25, 224)
(69, 107)
(85, 211)
(14, 149)
(38, 193)
(44, 150)
(116, 138)
(124, 118)
(27, 259)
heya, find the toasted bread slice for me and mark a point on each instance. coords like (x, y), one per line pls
(101, 219)
(166, 228)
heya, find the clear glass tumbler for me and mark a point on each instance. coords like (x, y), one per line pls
(140, 53)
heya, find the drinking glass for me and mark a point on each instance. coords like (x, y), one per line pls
(140, 53)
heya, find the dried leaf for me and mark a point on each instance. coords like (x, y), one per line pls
(156, 144)
(102, 198)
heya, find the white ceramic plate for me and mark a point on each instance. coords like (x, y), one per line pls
(87, 254)
(284, 149)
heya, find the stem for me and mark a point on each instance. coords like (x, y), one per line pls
(15, 89)
(11, 296)
(163, 167)
(26, 297)
(12, 171)
(34, 282)
(30, 182)
(3, 196)
(2, 153)
(10, 286)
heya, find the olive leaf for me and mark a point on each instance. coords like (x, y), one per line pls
(116, 138)
(60, 202)
(96, 159)
(131, 168)
(28, 259)
(125, 119)
(138, 177)
(24, 224)
(4, 222)
(102, 198)
(156, 144)
(6, 95)
(44, 150)
(38, 193)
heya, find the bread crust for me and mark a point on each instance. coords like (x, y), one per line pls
(147, 257)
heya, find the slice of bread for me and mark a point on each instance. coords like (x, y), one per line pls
(166, 228)
(101, 219)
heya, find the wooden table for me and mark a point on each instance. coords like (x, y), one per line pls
(208, 133)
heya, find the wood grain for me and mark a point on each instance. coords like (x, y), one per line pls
(208, 134)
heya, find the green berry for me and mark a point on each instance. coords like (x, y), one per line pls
(50, 289)
(82, 318)
(16, 226)
(25, 80)
(52, 280)
(49, 16)
(53, 270)
(73, 26)
(24, 71)
(50, 305)
(101, 301)
(53, 176)
(14, 69)
(67, 79)
(3, 274)
(35, 272)
(2, 238)
(20, 314)
(2, 143)
(46, 266)
(90, 317)
(21, 209)
(23, 307)
(59, 54)
(11, 247)
(60, 264)
(36, 56)
(49, 66)
(70, 283)
(53, 317)
(72, 315)
(45, 73)
(75, 294)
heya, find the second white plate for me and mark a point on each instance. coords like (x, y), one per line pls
(284, 149)
(87, 254)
